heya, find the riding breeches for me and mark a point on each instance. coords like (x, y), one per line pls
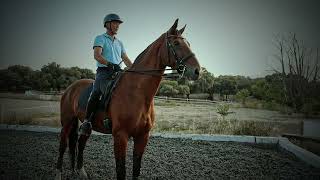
(99, 87)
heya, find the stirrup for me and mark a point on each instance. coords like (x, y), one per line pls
(107, 123)
(85, 128)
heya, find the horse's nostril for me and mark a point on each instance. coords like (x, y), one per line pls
(196, 71)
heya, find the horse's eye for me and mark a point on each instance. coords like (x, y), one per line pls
(176, 43)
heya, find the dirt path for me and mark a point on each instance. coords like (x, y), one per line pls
(32, 155)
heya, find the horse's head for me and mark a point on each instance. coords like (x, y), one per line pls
(180, 56)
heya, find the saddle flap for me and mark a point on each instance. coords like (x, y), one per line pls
(84, 97)
(106, 96)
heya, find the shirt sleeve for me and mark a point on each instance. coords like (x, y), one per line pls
(98, 42)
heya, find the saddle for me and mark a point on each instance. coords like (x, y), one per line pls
(105, 98)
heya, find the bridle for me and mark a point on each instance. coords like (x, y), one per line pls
(180, 62)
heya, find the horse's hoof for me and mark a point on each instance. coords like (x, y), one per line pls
(58, 175)
(82, 173)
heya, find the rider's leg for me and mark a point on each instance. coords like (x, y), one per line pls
(99, 88)
(86, 126)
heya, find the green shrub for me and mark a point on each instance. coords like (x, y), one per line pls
(223, 109)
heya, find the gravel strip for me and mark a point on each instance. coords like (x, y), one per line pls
(33, 155)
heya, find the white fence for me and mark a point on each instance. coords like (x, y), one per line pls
(195, 101)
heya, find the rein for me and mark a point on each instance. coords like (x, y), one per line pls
(150, 72)
(179, 61)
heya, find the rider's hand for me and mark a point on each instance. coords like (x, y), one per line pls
(116, 67)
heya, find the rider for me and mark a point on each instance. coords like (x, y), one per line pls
(109, 52)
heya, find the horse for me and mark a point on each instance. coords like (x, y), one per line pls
(131, 107)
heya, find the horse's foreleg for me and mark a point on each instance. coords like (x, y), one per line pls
(140, 143)
(120, 151)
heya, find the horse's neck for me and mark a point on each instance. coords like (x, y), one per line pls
(146, 87)
(150, 81)
(150, 59)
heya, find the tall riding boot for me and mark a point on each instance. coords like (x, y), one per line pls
(86, 126)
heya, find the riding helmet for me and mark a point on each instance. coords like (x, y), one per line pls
(111, 17)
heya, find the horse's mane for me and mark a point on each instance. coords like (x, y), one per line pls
(139, 57)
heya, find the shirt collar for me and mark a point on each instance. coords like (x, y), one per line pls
(108, 36)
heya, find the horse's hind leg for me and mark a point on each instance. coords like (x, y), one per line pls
(140, 143)
(73, 138)
(82, 141)
(65, 131)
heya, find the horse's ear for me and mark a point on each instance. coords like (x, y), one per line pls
(173, 29)
(182, 29)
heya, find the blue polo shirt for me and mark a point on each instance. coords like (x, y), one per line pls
(111, 49)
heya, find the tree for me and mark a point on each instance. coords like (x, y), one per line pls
(242, 95)
(243, 82)
(87, 74)
(204, 84)
(18, 78)
(225, 86)
(275, 89)
(298, 67)
(51, 77)
(59, 78)
(168, 88)
(259, 89)
(52, 68)
(183, 90)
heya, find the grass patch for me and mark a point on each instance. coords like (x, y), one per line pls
(168, 103)
(252, 128)
(220, 126)
(267, 105)
(43, 119)
(14, 118)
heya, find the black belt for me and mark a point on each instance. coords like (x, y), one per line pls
(109, 68)
(105, 68)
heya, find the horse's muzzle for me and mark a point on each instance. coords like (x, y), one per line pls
(192, 73)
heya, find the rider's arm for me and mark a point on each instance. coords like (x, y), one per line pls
(126, 60)
(98, 55)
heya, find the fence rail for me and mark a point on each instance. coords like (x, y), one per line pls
(196, 101)
(54, 96)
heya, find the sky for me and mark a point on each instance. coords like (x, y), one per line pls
(229, 37)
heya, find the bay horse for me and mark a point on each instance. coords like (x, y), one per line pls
(131, 108)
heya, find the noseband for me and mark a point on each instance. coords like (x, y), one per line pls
(180, 62)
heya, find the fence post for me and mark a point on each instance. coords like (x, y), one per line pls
(302, 127)
(1, 113)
